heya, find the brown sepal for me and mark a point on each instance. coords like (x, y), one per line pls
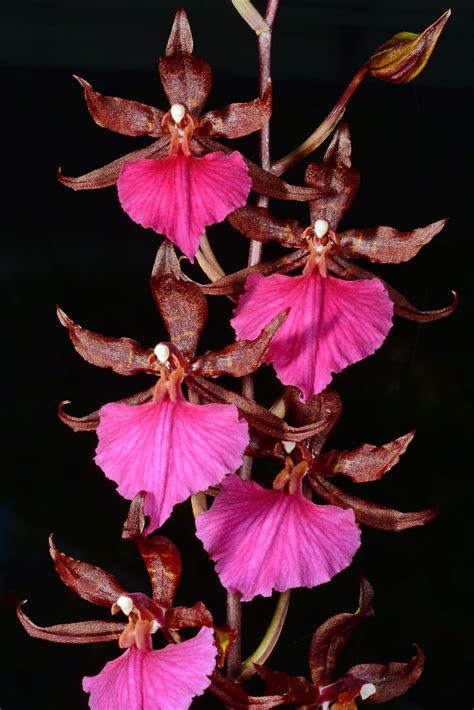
(90, 422)
(161, 556)
(326, 406)
(240, 358)
(386, 244)
(257, 416)
(258, 223)
(296, 689)
(181, 303)
(334, 179)
(131, 118)
(91, 583)
(109, 174)
(234, 695)
(186, 79)
(392, 679)
(184, 617)
(331, 638)
(238, 119)
(365, 463)
(371, 514)
(78, 632)
(224, 638)
(122, 355)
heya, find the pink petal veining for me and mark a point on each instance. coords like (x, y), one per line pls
(265, 539)
(179, 196)
(332, 324)
(169, 449)
(167, 679)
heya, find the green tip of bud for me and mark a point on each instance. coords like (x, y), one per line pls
(406, 54)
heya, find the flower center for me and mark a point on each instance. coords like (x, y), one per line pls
(297, 461)
(320, 242)
(179, 123)
(144, 619)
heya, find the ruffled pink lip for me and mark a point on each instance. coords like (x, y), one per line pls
(179, 196)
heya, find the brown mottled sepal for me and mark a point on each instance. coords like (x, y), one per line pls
(90, 422)
(326, 406)
(259, 224)
(78, 632)
(391, 679)
(295, 689)
(238, 119)
(183, 617)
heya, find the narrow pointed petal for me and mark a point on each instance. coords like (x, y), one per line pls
(296, 689)
(130, 118)
(171, 450)
(331, 324)
(265, 539)
(239, 119)
(259, 223)
(391, 679)
(167, 679)
(90, 422)
(326, 406)
(181, 37)
(179, 195)
(77, 632)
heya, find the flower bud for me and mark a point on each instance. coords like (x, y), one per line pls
(405, 55)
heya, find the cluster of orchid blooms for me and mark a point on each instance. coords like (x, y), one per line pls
(162, 449)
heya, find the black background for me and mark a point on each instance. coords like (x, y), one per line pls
(411, 144)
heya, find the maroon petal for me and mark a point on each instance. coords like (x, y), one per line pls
(235, 696)
(371, 514)
(131, 118)
(296, 689)
(183, 617)
(109, 174)
(386, 244)
(79, 632)
(365, 463)
(334, 179)
(258, 223)
(181, 303)
(122, 355)
(238, 119)
(186, 79)
(325, 406)
(91, 583)
(392, 679)
(241, 358)
(90, 422)
(331, 638)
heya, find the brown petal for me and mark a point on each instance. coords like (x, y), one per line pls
(241, 358)
(238, 119)
(256, 415)
(79, 632)
(296, 689)
(131, 118)
(371, 514)
(161, 556)
(326, 406)
(331, 638)
(334, 179)
(258, 223)
(186, 79)
(181, 303)
(183, 617)
(234, 695)
(262, 181)
(346, 270)
(386, 244)
(90, 422)
(391, 680)
(365, 463)
(122, 355)
(109, 174)
(91, 583)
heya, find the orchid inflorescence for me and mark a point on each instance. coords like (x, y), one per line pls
(188, 437)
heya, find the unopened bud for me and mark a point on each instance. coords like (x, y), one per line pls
(367, 690)
(125, 604)
(288, 446)
(177, 112)
(321, 227)
(406, 54)
(162, 353)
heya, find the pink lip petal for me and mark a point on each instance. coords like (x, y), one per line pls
(167, 679)
(179, 196)
(332, 324)
(172, 450)
(266, 539)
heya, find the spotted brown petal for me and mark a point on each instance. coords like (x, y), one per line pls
(235, 696)
(122, 355)
(90, 422)
(78, 632)
(186, 79)
(347, 270)
(258, 223)
(334, 179)
(392, 679)
(296, 689)
(109, 174)
(161, 556)
(184, 617)
(238, 119)
(326, 406)
(238, 359)
(386, 244)
(365, 463)
(181, 303)
(371, 514)
(331, 638)
(91, 583)
(130, 118)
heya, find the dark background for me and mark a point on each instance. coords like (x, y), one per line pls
(411, 144)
